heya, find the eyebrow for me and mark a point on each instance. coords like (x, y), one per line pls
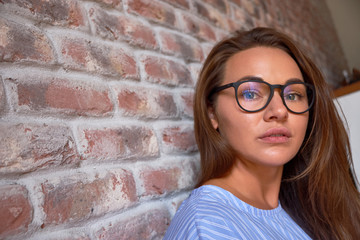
(247, 78)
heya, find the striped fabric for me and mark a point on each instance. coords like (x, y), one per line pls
(214, 213)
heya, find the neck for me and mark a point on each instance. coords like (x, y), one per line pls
(258, 186)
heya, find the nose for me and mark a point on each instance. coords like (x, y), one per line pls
(276, 110)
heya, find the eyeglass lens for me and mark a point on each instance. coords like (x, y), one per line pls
(253, 96)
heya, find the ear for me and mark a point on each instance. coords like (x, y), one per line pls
(213, 118)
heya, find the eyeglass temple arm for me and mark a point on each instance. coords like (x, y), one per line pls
(218, 89)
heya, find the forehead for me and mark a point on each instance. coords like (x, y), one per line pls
(273, 65)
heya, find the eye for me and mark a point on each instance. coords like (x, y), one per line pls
(293, 96)
(249, 95)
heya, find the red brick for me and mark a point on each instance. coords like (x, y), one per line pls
(123, 27)
(244, 18)
(55, 12)
(240, 19)
(30, 147)
(15, 210)
(211, 14)
(23, 43)
(198, 27)
(113, 144)
(165, 71)
(177, 44)
(63, 97)
(187, 101)
(159, 181)
(79, 197)
(154, 11)
(179, 3)
(219, 4)
(179, 139)
(151, 224)
(237, 2)
(259, 10)
(112, 3)
(143, 102)
(89, 56)
(248, 6)
(169, 177)
(262, 4)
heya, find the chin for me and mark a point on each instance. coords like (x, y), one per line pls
(279, 160)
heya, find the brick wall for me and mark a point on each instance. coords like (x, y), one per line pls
(96, 106)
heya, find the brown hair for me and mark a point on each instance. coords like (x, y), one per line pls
(318, 189)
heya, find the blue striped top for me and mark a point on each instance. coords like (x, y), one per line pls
(211, 212)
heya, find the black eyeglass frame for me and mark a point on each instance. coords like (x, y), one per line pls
(236, 85)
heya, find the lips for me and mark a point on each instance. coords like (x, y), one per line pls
(276, 135)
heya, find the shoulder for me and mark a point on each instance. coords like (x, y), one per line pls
(205, 213)
(205, 202)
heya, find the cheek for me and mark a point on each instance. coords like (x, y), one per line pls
(301, 127)
(238, 127)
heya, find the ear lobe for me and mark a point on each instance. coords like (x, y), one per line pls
(213, 118)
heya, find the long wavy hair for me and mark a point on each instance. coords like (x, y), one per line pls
(318, 188)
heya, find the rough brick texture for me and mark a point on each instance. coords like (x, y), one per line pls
(118, 143)
(54, 12)
(123, 28)
(146, 103)
(96, 106)
(179, 139)
(23, 43)
(15, 210)
(178, 45)
(31, 147)
(146, 225)
(166, 179)
(167, 72)
(80, 54)
(61, 96)
(77, 197)
(153, 11)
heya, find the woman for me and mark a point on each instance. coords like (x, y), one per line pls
(275, 157)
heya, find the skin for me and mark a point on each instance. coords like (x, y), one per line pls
(256, 175)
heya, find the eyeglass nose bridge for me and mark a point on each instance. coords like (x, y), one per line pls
(272, 90)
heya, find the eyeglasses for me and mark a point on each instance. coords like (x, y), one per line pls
(254, 94)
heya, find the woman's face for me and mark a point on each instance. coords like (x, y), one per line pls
(272, 136)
